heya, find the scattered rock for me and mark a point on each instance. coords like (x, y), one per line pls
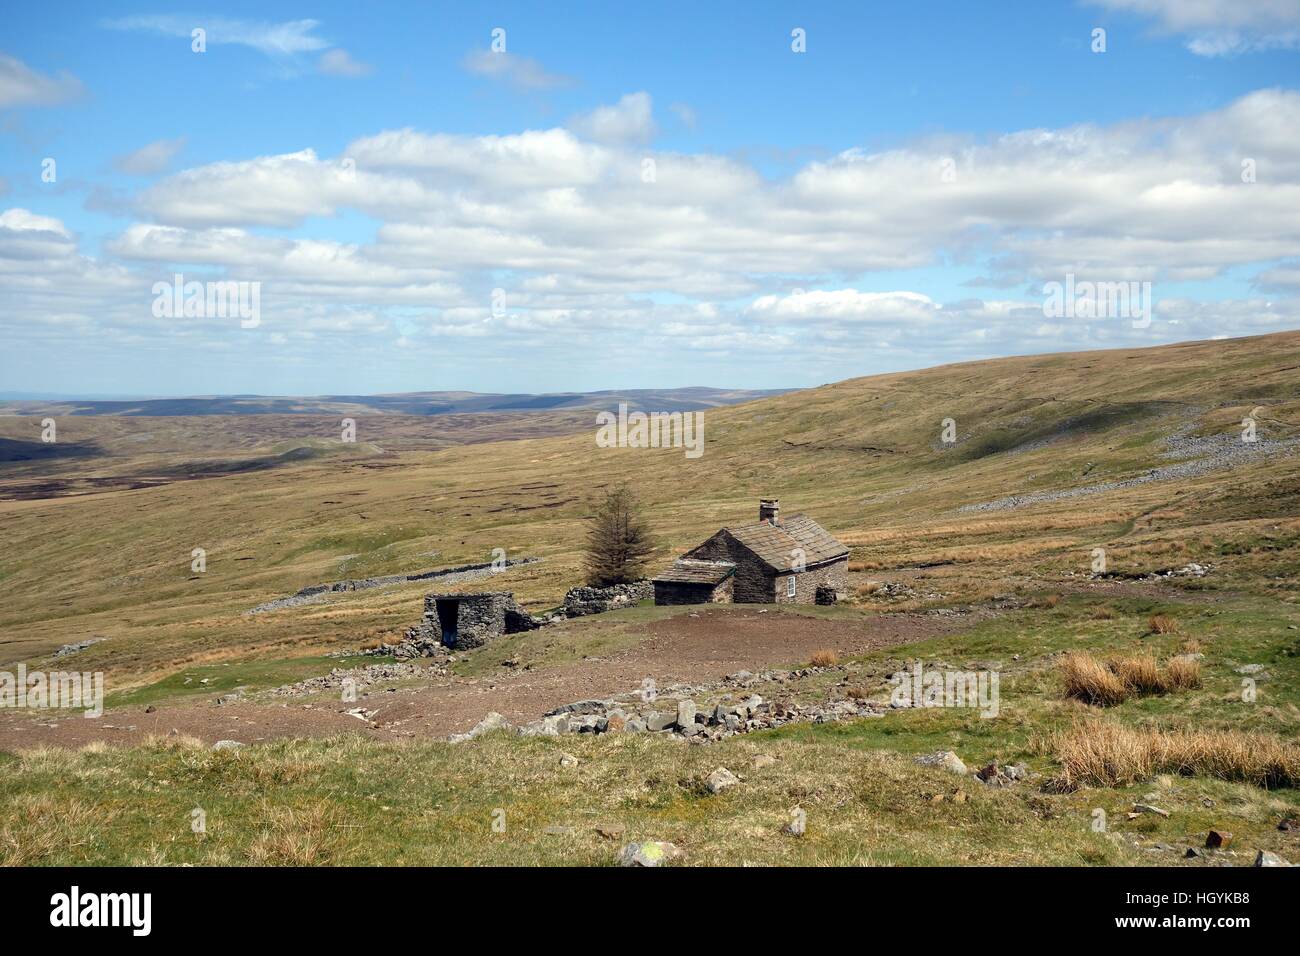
(67, 649)
(685, 714)
(568, 760)
(1265, 858)
(943, 758)
(720, 780)
(493, 721)
(1218, 839)
(1147, 808)
(651, 853)
(656, 721)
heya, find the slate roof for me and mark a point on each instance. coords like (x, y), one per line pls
(692, 571)
(774, 544)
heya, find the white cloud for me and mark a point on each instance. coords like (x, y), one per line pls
(273, 39)
(521, 72)
(1222, 27)
(151, 159)
(628, 122)
(702, 257)
(338, 62)
(20, 85)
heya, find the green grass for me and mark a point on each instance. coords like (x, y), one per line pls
(216, 679)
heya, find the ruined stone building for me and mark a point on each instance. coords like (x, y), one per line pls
(772, 561)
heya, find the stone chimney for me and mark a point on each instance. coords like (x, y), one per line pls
(769, 510)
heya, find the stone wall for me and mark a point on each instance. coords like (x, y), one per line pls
(581, 601)
(806, 584)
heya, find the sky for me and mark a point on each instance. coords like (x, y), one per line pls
(553, 197)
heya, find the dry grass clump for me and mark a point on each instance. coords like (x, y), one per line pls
(1104, 612)
(824, 658)
(1089, 680)
(1106, 754)
(1048, 601)
(1113, 681)
(1140, 674)
(1183, 673)
(1162, 624)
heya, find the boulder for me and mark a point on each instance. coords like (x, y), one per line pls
(945, 759)
(720, 780)
(1265, 858)
(685, 713)
(1218, 839)
(656, 721)
(650, 853)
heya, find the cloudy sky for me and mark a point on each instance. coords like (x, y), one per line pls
(532, 197)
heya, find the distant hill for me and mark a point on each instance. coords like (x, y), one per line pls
(402, 403)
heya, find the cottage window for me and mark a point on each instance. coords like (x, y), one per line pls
(789, 586)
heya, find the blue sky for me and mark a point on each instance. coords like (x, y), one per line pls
(380, 171)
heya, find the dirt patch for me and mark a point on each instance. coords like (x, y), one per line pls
(692, 647)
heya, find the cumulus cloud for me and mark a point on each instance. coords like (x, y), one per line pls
(1222, 27)
(20, 85)
(705, 257)
(151, 159)
(628, 122)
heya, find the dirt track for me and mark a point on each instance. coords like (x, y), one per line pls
(692, 647)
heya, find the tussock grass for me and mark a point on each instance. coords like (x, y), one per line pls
(1107, 754)
(1115, 680)
(1089, 680)
(824, 658)
(1162, 624)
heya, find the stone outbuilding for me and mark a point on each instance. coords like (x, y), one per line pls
(696, 582)
(462, 621)
(772, 561)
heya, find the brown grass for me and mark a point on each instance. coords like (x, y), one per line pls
(1140, 674)
(1104, 612)
(1183, 673)
(1089, 680)
(1113, 681)
(1106, 754)
(824, 658)
(1162, 624)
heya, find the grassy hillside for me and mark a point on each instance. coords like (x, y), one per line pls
(864, 456)
(1136, 452)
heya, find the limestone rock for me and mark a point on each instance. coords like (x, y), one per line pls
(945, 759)
(720, 780)
(650, 853)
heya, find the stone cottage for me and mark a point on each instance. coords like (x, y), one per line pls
(773, 561)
